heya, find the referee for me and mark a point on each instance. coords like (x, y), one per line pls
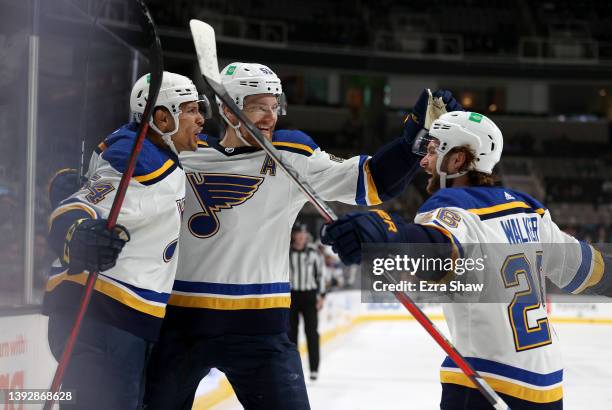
(307, 292)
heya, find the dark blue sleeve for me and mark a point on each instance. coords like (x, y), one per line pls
(393, 167)
(427, 236)
(604, 287)
(414, 233)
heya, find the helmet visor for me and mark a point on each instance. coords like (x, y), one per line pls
(204, 106)
(282, 104)
(421, 142)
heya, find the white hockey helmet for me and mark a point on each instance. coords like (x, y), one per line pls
(464, 128)
(175, 90)
(244, 79)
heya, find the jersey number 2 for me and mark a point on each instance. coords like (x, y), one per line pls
(525, 336)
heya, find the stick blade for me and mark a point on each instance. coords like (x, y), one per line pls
(206, 48)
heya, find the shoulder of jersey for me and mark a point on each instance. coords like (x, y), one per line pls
(153, 164)
(294, 141)
(483, 200)
(203, 141)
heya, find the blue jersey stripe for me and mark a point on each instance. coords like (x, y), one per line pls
(147, 294)
(144, 293)
(476, 198)
(294, 136)
(583, 270)
(231, 289)
(360, 196)
(516, 373)
(150, 159)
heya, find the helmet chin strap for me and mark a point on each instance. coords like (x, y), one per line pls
(443, 175)
(167, 136)
(235, 127)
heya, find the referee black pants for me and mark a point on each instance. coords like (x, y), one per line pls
(305, 302)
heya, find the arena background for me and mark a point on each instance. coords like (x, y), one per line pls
(350, 70)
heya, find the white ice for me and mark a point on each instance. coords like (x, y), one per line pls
(388, 365)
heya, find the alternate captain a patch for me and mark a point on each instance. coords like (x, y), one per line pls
(216, 192)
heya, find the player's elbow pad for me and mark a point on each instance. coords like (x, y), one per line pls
(604, 287)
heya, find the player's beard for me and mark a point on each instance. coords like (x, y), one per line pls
(433, 183)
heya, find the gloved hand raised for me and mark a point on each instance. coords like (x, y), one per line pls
(428, 108)
(90, 246)
(63, 184)
(348, 233)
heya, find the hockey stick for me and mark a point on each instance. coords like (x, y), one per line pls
(490, 394)
(206, 49)
(156, 72)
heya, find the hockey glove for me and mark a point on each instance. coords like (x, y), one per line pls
(428, 108)
(90, 246)
(348, 233)
(63, 184)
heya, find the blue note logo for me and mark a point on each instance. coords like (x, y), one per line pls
(169, 250)
(216, 192)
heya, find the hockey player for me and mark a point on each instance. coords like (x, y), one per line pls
(137, 260)
(511, 343)
(229, 307)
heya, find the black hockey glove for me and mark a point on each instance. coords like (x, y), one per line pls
(90, 246)
(349, 232)
(441, 100)
(63, 184)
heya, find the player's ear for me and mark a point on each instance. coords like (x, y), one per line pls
(457, 162)
(163, 120)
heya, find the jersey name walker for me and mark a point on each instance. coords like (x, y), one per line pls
(233, 273)
(133, 294)
(511, 344)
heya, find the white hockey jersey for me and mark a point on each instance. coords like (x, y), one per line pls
(233, 273)
(133, 294)
(512, 344)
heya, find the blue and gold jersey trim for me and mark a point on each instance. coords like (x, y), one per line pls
(457, 248)
(225, 296)
(367, 193)
(485, 202)
(294, 147)
(151, 178)
(153, 163)
(506, 379)
(589, 273)
(143, 300)
(294, 141)
(510, 208)
(100, 148)
(71, 210)
(203, 141)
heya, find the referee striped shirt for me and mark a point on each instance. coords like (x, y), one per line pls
(306, 269)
